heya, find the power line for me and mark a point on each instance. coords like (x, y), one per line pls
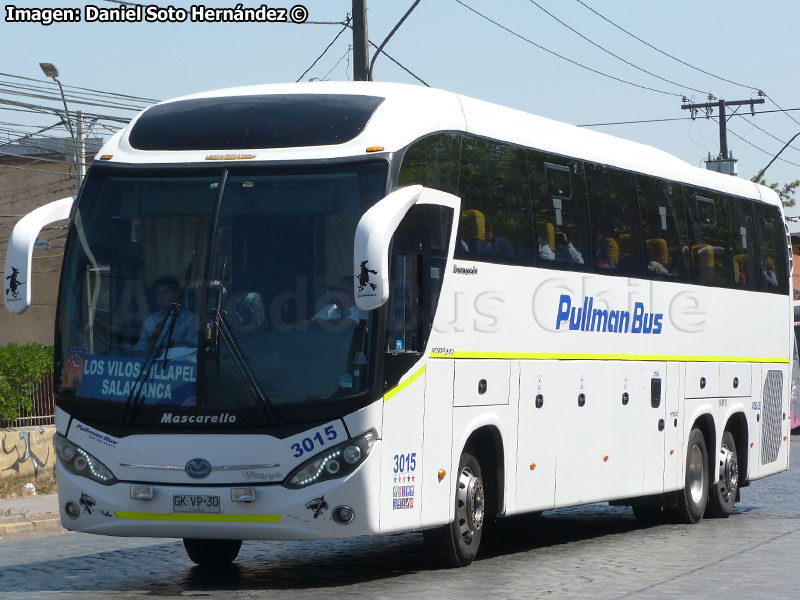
(648, 44)
(49, 110)
(29, 169)
(75, 98)
(749, 143)
(328, 47)
(74, 87)
(72, 100)
(406, 69)
(338, 62)
(760, 112)
(379, 49)
(569, 60)
(776, 104)
(607, 51)
(371, 43)
(765, 132)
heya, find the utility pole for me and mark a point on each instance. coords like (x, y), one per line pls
(360, 43)
(724, 163)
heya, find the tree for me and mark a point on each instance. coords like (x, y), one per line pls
(786, 192)
(21, 369)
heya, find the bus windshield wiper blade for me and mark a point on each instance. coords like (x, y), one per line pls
(222, 330)
(152, 352)
(176, 307)
(155, 348)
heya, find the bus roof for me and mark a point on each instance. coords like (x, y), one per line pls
(408, 112)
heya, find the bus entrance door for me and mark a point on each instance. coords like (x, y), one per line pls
(404, 242)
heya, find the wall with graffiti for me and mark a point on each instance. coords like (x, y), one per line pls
(27, 451)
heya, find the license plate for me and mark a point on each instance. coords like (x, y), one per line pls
(189, 503)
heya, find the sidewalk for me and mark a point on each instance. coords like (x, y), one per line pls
(29, 516)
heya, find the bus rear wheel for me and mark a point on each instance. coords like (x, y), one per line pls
(456, 544)
(723, 493)
(692, 500)
(212, 553)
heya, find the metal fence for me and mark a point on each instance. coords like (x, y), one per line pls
(43, 410)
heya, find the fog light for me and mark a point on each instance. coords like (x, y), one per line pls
(73, 510)
(141, 492)
(243, 494)
(343, 515)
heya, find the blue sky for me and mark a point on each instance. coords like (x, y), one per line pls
(451, 47)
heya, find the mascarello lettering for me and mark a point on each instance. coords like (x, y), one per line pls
(169, 418)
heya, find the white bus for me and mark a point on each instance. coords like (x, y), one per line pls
(335, 309)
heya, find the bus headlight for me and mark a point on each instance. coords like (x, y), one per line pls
(335, 462)
(78, 461)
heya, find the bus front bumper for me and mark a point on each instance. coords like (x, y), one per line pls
(275, 512)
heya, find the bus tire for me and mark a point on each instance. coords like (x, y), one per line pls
(692, 500)
(723, 494)
(456, 544)
(212, 553)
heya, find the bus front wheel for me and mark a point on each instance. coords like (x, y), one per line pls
(692, 500)
(212, 553)
(456, 544)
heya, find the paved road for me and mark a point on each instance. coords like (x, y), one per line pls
(589, 552)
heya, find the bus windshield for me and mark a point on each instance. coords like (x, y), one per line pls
(215, 290)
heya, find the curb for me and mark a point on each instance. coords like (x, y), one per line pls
(24, 529)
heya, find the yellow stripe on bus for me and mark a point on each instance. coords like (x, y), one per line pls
(590, 356)
(400, 387)
(216, 518)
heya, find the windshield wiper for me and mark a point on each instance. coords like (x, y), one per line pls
(223, 330)
(155, 348)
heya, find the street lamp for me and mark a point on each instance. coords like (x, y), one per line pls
(51, 71)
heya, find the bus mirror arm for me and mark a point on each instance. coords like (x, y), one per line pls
(19, 255)
(371, 246)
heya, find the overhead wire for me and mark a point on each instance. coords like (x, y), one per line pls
(749, 143)
(338, 62)
(35, 92)
(562, 57)
(648, 44)
(765, 132)
(328, 47)
(759, 112)
(610, 53)
(683, 62)
(75, 87)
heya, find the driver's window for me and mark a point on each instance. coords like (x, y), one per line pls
(403, 332)
(418, 257)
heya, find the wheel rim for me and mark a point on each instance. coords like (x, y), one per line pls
(470, 505)
(696, 474)
(728, 473)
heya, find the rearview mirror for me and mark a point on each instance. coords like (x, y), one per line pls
(374, 236)
(19, 256)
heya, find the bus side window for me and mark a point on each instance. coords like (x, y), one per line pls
(666, 247)
(743, 246)
(614, 213)
(710, 247)
(774, 249)
(432, 161)
(558, 192)
(496, 219)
